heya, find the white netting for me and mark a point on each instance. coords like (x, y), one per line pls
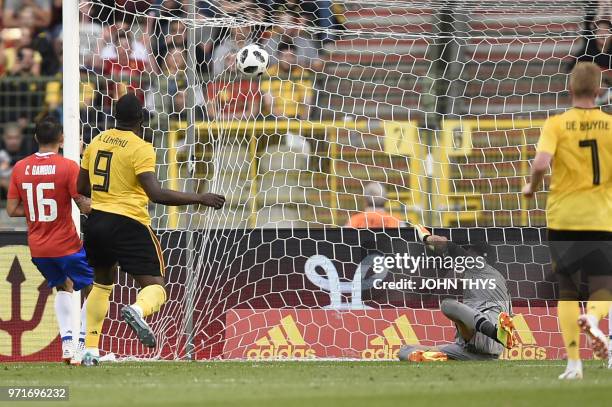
(428, 110)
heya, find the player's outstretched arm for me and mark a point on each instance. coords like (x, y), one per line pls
(168, 197)
(434, 242)
(439, 244)
(539, 167)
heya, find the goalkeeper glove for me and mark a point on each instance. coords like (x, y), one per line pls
(422, 234)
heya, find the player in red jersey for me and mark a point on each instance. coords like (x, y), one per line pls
(41, 189)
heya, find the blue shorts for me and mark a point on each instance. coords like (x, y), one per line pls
(73, 266)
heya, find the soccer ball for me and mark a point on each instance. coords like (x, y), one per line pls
(252, 60)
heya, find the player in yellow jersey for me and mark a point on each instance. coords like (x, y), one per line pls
(579, 210)
(118, 172)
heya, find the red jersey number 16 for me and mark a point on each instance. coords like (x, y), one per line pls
(45, 207)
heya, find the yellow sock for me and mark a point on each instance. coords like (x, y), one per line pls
(568, 313)
(150, 299)
(97, 308)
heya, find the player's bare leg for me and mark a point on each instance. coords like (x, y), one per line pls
(151, 297)
(98, 303)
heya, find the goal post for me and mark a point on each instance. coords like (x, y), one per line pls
(70, 116)
(427, 111)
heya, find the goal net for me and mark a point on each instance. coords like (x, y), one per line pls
(426, 111)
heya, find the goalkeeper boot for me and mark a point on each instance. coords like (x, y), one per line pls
(67, 350)
(598, 340)
(91, 357)
(573, 371)
(427, 356)
(139, 325)
(505, 330)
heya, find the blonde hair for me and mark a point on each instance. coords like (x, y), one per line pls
(585, 80)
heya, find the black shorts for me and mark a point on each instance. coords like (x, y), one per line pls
(110, 238)
(587, 251)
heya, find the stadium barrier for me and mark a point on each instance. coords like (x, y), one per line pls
(324, 333)
(467, 173)
(392, 143)
(293, 310)
(27, 97)
(28, 331)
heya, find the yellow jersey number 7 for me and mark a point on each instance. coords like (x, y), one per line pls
(102, 168)
(592, 144)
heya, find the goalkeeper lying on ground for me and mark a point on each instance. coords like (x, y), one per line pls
(484, 326)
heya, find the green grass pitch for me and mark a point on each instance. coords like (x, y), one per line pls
(317, 384)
